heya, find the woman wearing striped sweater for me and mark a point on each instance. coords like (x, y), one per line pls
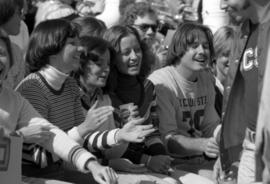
(17, 115)
(92, 76)
(52, 55)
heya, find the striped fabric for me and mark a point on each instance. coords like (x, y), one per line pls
(62, 108)
(103, 139)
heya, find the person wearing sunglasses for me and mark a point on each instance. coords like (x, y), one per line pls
(144, 19)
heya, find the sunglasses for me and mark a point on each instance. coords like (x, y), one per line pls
(145, 27)
(89, 56)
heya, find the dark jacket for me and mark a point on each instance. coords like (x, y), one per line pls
(233, 129)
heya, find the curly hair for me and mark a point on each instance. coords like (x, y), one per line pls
(135, 10)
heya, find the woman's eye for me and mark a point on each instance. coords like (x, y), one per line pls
(194, 45)
(126, 53)
(137, 50)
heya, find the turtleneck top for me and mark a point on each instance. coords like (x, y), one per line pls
(128, 88)
(56, 96)
(141, 93)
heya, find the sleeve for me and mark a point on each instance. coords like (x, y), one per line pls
(60, 144)
(101, 140)
(35, 95)
(94, 141)
(154, 145)
(211, 117)
(166, 111)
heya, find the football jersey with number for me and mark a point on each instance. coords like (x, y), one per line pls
(185, 107)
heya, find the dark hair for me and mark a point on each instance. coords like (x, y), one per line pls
(6, 40)
(90, 26)
(91, 44)
(133, 11)
(114, 36)
(47, 39)
(185, 35)
(7, 10)
(19, 4)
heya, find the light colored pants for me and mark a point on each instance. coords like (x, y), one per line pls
(246, 171)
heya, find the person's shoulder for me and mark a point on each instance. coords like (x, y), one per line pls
(30, 81)
(160, 75)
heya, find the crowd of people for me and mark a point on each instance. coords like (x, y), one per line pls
(136, 91)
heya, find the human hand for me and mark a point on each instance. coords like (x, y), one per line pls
(128, 112)
(160, 163)
(95, 117)
(222, 177)
(102, 174)
(37, 134)
(125, 165)
(211, 148)
(133, 131)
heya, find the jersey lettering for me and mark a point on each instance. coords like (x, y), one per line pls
(191, 102)
(193, 121)
(250, 59)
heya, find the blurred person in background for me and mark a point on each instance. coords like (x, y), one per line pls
(223, 42)
(22, 38)
(144, 19)
(10, 23)
(53, 9)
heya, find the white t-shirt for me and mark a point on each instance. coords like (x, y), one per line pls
(185, 107)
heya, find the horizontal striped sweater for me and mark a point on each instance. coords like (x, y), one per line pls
(16, 113)
(63, 109)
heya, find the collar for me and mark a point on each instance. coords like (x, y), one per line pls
(53, 76)
(88, 100)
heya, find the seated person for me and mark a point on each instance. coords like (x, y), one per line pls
(18, 115)
(186, 98)
(53, 53)
(126, 85)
